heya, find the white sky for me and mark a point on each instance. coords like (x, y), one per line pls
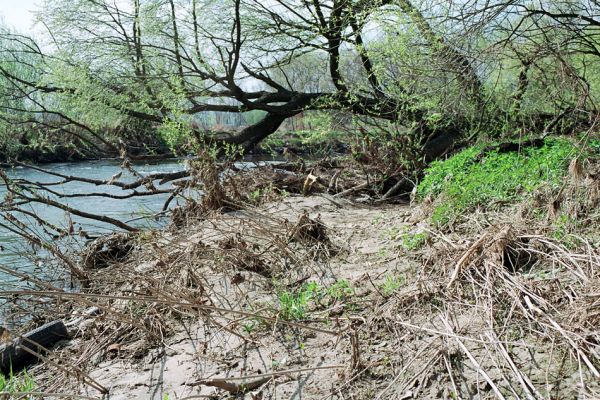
(17, 13)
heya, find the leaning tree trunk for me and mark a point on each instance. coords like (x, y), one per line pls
(250, 136)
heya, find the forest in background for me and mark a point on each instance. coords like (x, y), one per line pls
(419, 76)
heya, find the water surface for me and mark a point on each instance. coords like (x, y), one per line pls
(16, 253)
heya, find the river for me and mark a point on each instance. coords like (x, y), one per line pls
(16, 252)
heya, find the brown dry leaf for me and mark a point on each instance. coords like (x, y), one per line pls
(5, 336)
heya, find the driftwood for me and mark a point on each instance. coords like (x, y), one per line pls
(18, 354)
(237, 388)
(248, 383)
(107, 250)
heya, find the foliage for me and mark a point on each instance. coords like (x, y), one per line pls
(340, 290)
(392, 283)
(414, 241)
(479, 178)
(594, 148)
(321, 127)
(166, 73)
(294, 306)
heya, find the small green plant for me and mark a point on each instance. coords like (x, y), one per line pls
(594, 147)
(254, 196)
(392, 283)
(564, 226)
(22, 383)
(378, 219)
(294, 306)
(390, 233)
(340, 290)
(383, 253)
(249, 327)
(414, 241)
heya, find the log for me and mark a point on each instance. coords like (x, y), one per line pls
(14, 355)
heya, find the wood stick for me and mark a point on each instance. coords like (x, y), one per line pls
(473, 360)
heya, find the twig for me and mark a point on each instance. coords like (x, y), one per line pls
(228, 385)
(560, 329)
(473, 360)
(464, 258)
(525, 382)
(45, 395)
(59, 294)
(352, 189)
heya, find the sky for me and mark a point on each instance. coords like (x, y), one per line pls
(17, 13)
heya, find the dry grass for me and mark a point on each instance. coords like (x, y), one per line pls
(501, 307)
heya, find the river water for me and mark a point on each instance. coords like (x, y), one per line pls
(15, 252)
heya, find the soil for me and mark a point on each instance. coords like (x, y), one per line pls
(398, 328)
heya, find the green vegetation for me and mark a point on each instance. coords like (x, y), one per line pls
(22, 383)
(478, 178)
(414, 241)
(249, 327)
(391, 233)
(167, 83)
(295, 305)
(340, 290)
(392, 283)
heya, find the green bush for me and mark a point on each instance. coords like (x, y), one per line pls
(471, 179)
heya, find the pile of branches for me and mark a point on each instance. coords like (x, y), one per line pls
(504, 307)
(490, 300)
(176, 279)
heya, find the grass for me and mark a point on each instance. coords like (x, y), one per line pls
(391, 233)
(471, 179)
(414, 241)
(22, 383)
(392, 283)
(340, 290)
(296, 305)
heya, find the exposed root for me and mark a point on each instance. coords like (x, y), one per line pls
(310, 231)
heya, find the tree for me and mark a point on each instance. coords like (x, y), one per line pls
(161, 64)
(154, 61)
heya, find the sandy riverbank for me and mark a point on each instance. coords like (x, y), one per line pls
(319, 297)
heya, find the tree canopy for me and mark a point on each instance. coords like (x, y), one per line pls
(434, 70)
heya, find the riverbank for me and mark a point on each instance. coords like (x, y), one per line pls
(317, 297)
(217, 266)
(295, 292)
(150, 147)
